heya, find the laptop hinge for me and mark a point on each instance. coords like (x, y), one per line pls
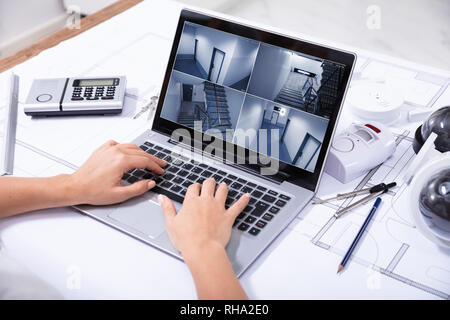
(279, 178)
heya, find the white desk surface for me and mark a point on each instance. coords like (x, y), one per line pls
(83, 258)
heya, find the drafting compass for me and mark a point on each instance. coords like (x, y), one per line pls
(373, 192)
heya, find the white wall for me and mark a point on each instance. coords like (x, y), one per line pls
(242, 62)
(300, 124)
(23, 22)
(172, 102)
(251, 118)
(235, 100)
(186, 45)
(207, 40)
(271, 71)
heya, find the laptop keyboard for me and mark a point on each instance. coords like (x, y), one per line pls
(181, 172)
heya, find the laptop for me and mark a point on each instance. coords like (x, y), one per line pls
(248, 107)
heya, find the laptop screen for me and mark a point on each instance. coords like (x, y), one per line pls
(267, 94)
(265, 98)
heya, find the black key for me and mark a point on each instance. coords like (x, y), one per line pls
(250, 219)
(230, 176)
(176, 188)
(170, 194)
(212, 169)
(178, 180)
(254, 231)
(235, 222)
(173, 169)
(257, 194)
(139, 173)
(273, 192)
(183, 192)
(132, 179)
(269, 198)
(166, 184)
(246, 189)
(192, 177)
(148, 175)
(149, 144)
(186, 184)
(285, 197)
(107, 98)
(168, 176)
(202, 165)
(168, 158)
(207, 174)
(200, 180)
(241, 216)
(267, 217)
(227, 181)
(152, 151)
(177, 161)
(197, 170)
(158, 180)
(248, 209)
(242, 180)
(145, 148)
(222, 173)
(232, 193)
(261, 188)
(243, 226)
(280, 203)
(252, 200)
(261, 224)
(183, 173)
(166, 151)
(236, 185)
(274, 210)
(217, 177)
(158, 148)
(125, 176)
(251, 184)
(260, 208)
(160, 155)
(188, 166)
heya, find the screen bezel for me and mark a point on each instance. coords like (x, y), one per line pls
(287, 172)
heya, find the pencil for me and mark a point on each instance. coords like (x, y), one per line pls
(360, 233)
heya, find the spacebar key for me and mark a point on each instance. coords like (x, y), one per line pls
(171, 195)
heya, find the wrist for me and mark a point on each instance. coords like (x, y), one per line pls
(67, 192)
(200, 253)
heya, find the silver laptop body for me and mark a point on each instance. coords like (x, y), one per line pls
(293, 185)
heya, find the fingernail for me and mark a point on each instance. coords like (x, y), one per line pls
(160, 199)
(247, 194)
(151, 184)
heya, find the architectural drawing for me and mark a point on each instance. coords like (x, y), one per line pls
(392, 246)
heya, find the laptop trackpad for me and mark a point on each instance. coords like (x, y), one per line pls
(142, 215)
